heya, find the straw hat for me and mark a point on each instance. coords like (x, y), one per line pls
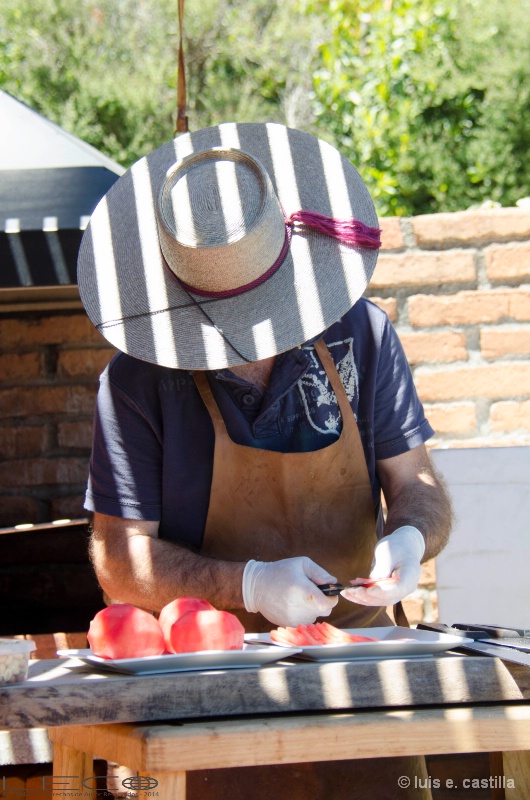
(198, 257)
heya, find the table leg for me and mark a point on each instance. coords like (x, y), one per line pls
(497, 771)
(170, 784)
(70, 768)
(517, 769)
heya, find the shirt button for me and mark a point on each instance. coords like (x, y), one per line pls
(248, 400)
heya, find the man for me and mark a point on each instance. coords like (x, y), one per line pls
(242, 443)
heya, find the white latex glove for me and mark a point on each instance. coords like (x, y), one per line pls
(396, 556)
(286, 592)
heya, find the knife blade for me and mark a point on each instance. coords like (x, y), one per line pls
(494, 631)
(438, 627)
(518, 638)
(498, 648)
(497, 651)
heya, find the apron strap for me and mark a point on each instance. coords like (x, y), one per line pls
(400, 616)
(201, 382)
(345, 409)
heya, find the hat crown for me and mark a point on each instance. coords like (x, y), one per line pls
(220, 223)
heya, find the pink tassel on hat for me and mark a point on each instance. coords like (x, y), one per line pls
(348, 231)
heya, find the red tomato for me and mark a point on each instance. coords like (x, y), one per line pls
(318, 633)
(124, 631)
(176, 609)
(206, 629)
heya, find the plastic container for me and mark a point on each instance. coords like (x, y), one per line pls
(14, 660)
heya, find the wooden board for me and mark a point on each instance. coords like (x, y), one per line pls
(56, 696)
(286, 739)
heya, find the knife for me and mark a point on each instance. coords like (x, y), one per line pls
(333, 589)
(498, 651)
(482, 644)
(519, 638)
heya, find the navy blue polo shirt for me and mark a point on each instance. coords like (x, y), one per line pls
(154, 441)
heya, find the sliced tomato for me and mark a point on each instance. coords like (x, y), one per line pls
(365, 583)
(124, 631)
(318, 633)
(206, 629)
(288, 636)
(176, 609)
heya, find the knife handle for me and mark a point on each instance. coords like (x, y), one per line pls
(440, 628)
(331, 589)
(492, 631)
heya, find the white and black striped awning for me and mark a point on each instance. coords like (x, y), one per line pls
(43, 214)
(50, 183)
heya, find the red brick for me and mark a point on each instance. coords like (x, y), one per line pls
(452, 417)
(17, 509)
(471, 227)
(69, 507)
(40, 471)
(75, 434)
(24, 402)
(87, 363)
(510, 415)
(502, 341)
(23, 441)
(423, 269)
(519, 306)
(469, 307)
(428, 573)
(511, 262)
(389, 306)
(391, 233)
(22, 332)
(443, 346)
(493, 381)
(21, 366)
(413, 606)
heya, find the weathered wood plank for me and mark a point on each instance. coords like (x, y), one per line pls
(54, 695)
(296, 739)
(170, 784)
(517, 768)
(70, 764)
(25, 747)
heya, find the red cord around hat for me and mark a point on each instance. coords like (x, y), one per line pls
(347, 231)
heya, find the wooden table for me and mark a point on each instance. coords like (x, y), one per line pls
(283, 713)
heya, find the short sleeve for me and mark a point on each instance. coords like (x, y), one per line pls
(399, 418)
(126, 461)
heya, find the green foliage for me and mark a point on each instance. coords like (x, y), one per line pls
(429, 98)
(106, 69)
(91, 68)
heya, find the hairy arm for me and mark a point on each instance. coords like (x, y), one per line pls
(415, 495)
(134, 566)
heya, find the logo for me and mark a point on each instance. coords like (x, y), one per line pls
(139, 783)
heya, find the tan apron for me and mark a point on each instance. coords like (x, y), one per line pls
(267, 506)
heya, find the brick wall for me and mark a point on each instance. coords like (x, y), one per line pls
(456, 287)
(49, 365)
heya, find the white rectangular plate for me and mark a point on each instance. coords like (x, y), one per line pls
(252, 655)
(393, 642)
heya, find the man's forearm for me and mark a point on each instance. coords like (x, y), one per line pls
(426, 506)
(137, 568)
